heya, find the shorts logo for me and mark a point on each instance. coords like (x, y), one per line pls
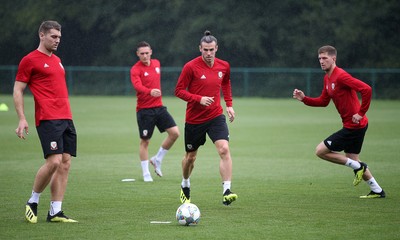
(329, 142)
(189, 146)
(53, 146)
(145, 132)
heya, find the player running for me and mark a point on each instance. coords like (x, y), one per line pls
(342, 88)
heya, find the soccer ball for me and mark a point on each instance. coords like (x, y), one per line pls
(188, 214)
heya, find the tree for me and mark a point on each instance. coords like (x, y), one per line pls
(254, 33)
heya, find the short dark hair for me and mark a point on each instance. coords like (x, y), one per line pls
(327, 49)
(208, 38)
(142, 44)
(46, 26)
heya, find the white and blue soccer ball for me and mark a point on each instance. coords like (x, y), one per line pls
(188, 214)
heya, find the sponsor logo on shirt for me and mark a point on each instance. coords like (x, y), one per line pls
(203, 77)
(46, 65)
(146, 74)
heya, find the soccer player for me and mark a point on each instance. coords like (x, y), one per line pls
(150, 112)
(342, 88)
(41, 70)
(200, 84)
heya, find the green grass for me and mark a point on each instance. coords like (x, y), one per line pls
(285, 191)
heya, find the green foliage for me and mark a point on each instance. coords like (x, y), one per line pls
(278, 33)
(285, 191)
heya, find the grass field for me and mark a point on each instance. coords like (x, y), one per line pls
(285, 191)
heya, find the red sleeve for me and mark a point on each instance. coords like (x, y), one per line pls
(24, 72)
(137, 81)
(321, 101)
(226, 88)
(182, 85)
(359, 86)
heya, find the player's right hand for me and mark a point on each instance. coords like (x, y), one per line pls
(298, 94)
(206, 101)
(22, 129)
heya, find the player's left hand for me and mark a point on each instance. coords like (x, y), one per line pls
(155, 92)
(231, 113)
(356, 118)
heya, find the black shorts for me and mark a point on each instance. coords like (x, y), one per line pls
(148, 118)
(347, 140)
(195, 134)
(57, 137)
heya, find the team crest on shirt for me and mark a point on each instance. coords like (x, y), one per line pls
(157, 70)
(145, 132)
(333, 86)
(53, 146)
(220, 74)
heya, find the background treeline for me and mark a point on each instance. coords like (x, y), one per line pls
(265, 33)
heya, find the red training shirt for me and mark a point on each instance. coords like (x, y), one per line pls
(45, 77)
(197, 80)
(144, 78)
(342, 88)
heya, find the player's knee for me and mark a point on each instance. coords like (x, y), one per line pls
(53, 162)
(65, 164)
(320, 151)
(144, 143)
(174, 134)
(191, 159)
(223, 150)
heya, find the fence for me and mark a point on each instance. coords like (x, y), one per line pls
(257, 82)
